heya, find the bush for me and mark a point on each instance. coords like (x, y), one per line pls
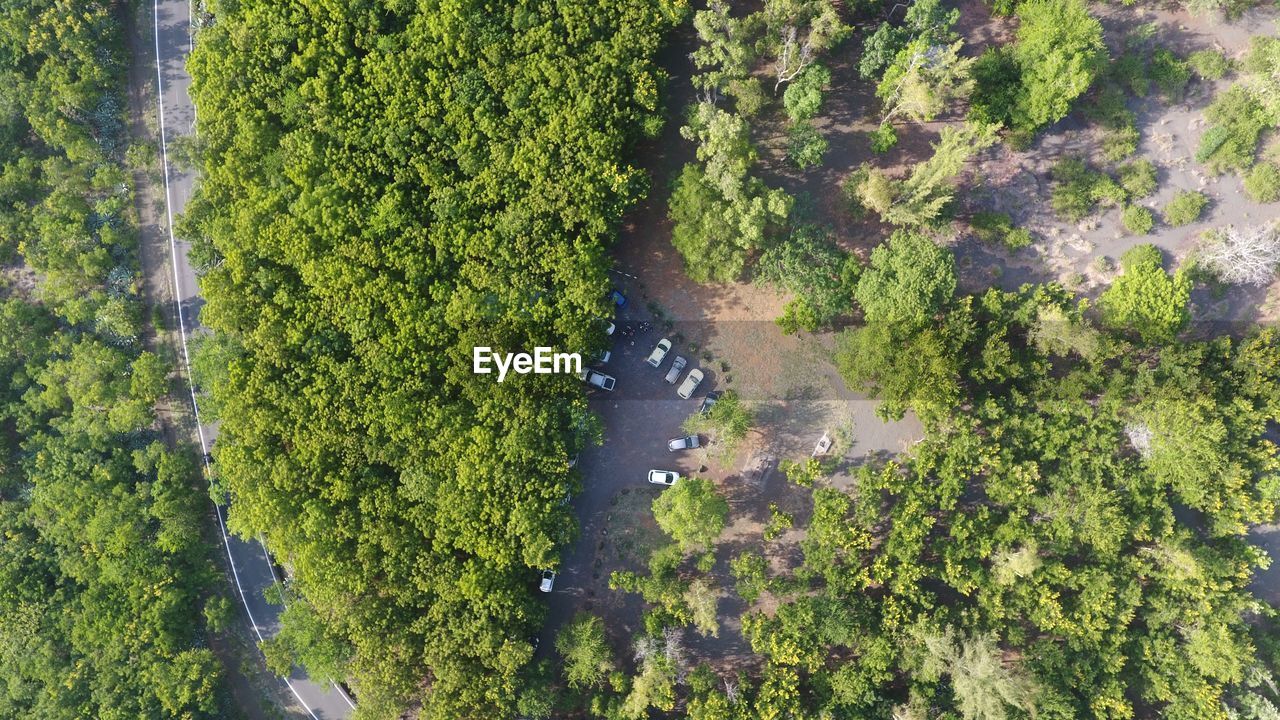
(1120, 142)
(1169, 73)
(997, 227)
(805, 145)
(803, 96)
(1185, 208)
(883, 138)
(1110, 109)
(1138, 220)
(1209, 64)
(1145, 299)
(1073, 196)
(1017, 238)
(1138, 178)
(1237, 120)
(1262, 184)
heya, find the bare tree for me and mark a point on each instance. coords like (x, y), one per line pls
(1243, 256)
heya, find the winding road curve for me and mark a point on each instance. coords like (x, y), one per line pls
(251, 568)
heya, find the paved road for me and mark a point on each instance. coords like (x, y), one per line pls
(252, 571)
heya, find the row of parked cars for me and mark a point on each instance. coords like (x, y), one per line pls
(692, 380)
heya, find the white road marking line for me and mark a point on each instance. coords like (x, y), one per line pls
(186, 353)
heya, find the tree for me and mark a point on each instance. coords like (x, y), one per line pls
(724, 54)
(1145, 299)
(985, 687)
(907, 282)
(1246, 256)
(923, 80)
(702, 599)
(692, 512)
(803, 96)
(587, 657)
(815, 271)
(920, 198)
(1059, 51)
(727, 422)
(799, 31)
(721, 213)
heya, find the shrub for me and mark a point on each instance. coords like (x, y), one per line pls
(1185, 208)
(997, 227)
(1017, 238)
(883, 138)
(1074, 195)
(1138, 178)
(1145, 299)
(1119, 143)
(1138, 220)
(1209, 64)
(1262, 184)
(805, 145)
(803, 96)
(1110, 109)
(1236, 119)
(1169, 73)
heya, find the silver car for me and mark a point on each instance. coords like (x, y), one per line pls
(598, 379)
(548, 580)
(676, 366)
(663, 477)
(688, 442)
(659, 353)
(690, 384)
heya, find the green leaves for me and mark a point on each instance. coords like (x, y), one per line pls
(692, 512)
(1145, 299)
(907, 282)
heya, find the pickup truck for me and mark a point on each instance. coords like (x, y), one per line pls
(676, 366)
(598, 379)
(659, 353)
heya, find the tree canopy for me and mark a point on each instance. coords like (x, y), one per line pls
(105, 567)
(383, 189)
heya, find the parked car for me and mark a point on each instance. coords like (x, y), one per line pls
(604, 357)
(598, 379)
(618, 298)
(548, 580)
(659, 353)
(688, 442)
(663, 477)
(676, 366)
(609, 327)
(823, 446)
(708, 401)
(690, 384)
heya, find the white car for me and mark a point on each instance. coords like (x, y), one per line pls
(609, 327)
(690, 384)
(548, 580)
(659, 353)
(598, 379)
(663, 477)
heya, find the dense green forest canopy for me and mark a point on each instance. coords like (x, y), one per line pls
(103, 567)
(385, 187)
